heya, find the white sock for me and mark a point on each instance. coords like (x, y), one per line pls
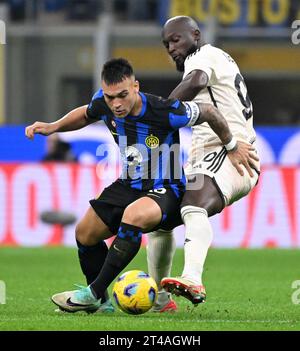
(198, 238)
(160, 251)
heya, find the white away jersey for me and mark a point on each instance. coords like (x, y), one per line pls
(226, 89)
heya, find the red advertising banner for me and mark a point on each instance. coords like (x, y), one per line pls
(268, 217)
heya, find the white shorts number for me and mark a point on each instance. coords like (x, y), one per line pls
(158, 191)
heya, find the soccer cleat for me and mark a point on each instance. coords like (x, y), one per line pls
(170, 307)
(105, 307)
(77, 300)
(184, 287)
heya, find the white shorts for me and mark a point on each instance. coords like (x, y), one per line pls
(215, 163)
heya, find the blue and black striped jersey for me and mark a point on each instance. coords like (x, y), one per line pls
(149, 142)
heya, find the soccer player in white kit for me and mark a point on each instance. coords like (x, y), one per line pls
(214, 182)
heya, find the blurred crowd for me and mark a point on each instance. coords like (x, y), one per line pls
(264, 92)
(138, 10)
(81, 10)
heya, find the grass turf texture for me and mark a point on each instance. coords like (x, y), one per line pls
(247, 290)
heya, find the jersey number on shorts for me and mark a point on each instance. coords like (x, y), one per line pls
(245, 100)
(158, 191)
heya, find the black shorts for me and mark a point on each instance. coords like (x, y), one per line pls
(110, 205)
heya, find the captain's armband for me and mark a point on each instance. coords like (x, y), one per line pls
(192, 111)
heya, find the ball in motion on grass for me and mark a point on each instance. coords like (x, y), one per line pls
(135, 292)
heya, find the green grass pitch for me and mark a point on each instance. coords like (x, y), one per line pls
(247, 290)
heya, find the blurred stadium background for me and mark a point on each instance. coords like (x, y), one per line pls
(51, 63)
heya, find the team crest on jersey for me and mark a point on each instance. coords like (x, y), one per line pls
(152, 141)
(113, 123)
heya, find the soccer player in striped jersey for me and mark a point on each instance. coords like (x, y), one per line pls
(148, 194)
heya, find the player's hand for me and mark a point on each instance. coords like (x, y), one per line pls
(244, 154)
(39, 128)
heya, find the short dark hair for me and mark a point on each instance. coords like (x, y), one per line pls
(116, 70)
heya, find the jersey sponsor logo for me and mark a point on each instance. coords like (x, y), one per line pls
(152, 141)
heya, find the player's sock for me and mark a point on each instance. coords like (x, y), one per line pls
(91, 260)
(198, 238)
(160, 251)
(122, 250)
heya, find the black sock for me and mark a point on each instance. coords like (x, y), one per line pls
(122, 250)
(91, 260)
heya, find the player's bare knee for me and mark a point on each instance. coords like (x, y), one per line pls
(84, 235)
(79, 232)
(136, 217)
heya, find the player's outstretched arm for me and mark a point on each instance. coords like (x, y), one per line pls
(75, 119)
(190, 86)
(208, 113)
(239, 153)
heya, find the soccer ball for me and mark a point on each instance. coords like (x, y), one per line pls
(135, 292)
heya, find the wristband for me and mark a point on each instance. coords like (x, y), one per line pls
(231, 145)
